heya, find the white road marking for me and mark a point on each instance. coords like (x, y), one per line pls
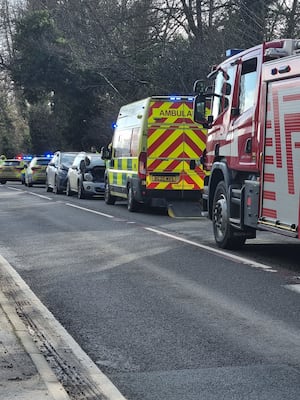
(89, 210)
(233, 257)
(40, 195)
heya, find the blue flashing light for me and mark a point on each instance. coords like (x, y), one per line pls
(233, 52)
(175, 98)
(27, 157)
(48, 155)
(114, 125)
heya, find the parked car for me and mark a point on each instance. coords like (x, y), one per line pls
(86, 176)
(57, 170)
(35, 172)
(11, 170)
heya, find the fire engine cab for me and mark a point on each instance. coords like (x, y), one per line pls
(253, 143)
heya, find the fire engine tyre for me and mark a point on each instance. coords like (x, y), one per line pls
(224, 233)
(108, 198)
(132, 205)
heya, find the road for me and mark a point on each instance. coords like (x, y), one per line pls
(152, 301)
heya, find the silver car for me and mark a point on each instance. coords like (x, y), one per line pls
(86, 176)
(57, 170)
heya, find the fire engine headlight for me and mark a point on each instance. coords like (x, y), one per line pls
(88, 176)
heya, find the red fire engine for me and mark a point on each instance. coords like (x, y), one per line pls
(253, 143)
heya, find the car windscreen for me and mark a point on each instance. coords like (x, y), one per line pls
(42, 162)
(67, 159)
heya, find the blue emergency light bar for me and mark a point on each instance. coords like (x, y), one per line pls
(233, 52)
(178, 98)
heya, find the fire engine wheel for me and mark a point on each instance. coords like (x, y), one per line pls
(108, 198)
(132, 204)
(226, 236)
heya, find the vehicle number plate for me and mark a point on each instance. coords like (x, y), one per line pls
(164, 178)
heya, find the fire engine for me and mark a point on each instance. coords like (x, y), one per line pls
(253, 143)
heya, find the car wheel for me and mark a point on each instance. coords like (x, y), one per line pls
(68, 189)
(80, 193)
(108, 198)
(3, 182)
(132, 204)
(29, 184)
(48, 188)
(56, 188)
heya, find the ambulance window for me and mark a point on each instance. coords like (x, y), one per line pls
(134, 142)
(122, 143)
(248, 84)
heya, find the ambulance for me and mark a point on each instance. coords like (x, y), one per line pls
(154, 156)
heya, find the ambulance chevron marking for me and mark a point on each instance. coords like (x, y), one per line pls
(157, 140)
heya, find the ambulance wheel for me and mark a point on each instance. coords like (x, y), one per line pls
(132, 205)
(108, 198)
(226, 236)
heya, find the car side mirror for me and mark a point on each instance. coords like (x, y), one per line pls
(105, 153)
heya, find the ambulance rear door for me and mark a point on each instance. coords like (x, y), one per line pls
(174, 145)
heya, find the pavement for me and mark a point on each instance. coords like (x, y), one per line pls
(39, 360)
(24, 372)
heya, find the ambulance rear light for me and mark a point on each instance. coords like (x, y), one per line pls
(142, 165)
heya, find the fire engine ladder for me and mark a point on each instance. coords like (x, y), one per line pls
(185, 209)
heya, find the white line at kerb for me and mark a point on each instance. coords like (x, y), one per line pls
(217, 251)
(91, 211)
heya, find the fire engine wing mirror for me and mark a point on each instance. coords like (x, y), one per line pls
(199, 86)
(200, 110)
